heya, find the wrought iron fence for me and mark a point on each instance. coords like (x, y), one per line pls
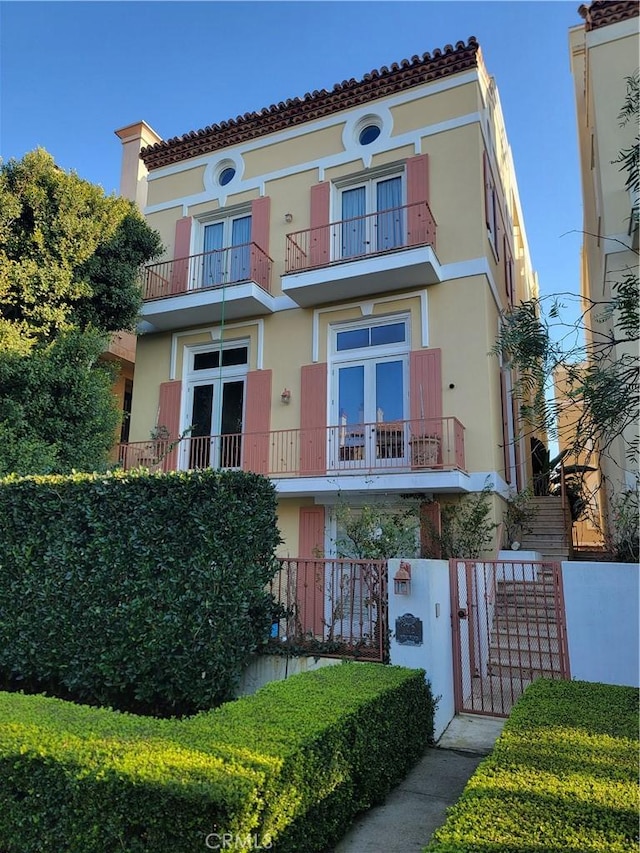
(332, 608)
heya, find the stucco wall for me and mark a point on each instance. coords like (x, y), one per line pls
(601, 601)
(429, 601)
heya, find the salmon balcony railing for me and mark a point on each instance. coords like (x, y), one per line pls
(395, 446)
(208, 270)
(332, 608)
(376, 233)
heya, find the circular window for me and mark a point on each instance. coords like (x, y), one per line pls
(368, 134)
(226, 176)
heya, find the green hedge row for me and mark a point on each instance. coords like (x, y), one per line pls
(285, 769)
(144, 592)
(562, 777)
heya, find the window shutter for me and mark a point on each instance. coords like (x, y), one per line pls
(313, 419)
(504, 399)
(319, 237)
(257, 422)
(425, 405)
(417, 194)
(310, 580)
(430, 530)
(260, 263)
(169, 418)
(181, 249)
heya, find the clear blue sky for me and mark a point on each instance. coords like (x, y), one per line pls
(71, 73)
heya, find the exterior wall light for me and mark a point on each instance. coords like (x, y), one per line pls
(286, 396)
(288, 217)
(402, 579)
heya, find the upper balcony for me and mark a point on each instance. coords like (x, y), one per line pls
(231, 283)
(388, 250)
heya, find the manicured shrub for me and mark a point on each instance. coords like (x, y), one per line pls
(289, 766)
(562, 777)
(141, 592)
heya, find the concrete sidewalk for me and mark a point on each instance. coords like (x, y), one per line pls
(414, 809)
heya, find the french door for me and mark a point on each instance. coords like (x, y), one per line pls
(216, 409)
(227, 255)
(372, 217)
(370, 412)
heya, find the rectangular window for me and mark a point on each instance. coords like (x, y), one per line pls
(210, 359)
(371, 336)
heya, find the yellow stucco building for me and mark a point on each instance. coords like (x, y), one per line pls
(605, 52)
(335, 271)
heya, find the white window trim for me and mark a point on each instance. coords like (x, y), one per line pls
(399, 351)
(192, 378)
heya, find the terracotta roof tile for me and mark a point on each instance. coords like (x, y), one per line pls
(601, 13)
(314, 105)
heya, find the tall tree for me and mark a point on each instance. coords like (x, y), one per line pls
(70, 258)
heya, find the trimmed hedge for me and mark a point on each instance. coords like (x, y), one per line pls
(562, 777)
(288, 767)
(144, 592)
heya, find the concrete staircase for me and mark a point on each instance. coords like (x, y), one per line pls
(524, 637)
(549, 530)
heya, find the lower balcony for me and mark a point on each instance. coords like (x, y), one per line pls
(397, 447)
(231, 283)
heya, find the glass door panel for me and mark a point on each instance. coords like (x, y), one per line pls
(351, 414)
(201, 414)
(213, 260)
(240, 239)
(389, 397)
(389, 225)
(216, 425)
(231, 424)
(354, 224)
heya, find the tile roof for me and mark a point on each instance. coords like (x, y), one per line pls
(314, 105)
(600, 13)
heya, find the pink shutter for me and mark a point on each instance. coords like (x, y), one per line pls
(310, 574)
(260, 262)
(504, 399)
(181, 249)
(418, 214)
(169, 421)
(319, 237)
(257, 422)
(313, 419)
(430, 530)
(425, 389)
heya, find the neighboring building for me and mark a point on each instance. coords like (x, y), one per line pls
(605, 52)
(336, 268)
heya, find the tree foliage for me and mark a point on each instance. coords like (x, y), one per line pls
(57, 409)
(70, 258)
(69, 255)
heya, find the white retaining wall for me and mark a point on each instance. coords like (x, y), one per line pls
(429, 601)
(602, 606)
(266, 668)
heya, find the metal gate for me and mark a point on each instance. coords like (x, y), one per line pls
(508, 630)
